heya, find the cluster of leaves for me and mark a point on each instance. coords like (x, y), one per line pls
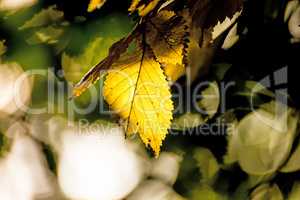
(167, 41)
(262, 145)
(169, 37)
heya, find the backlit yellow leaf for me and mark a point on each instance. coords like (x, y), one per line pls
(95, 4)
(142, 8)
(134, 5)
(138, 91)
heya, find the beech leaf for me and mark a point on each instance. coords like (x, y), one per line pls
(143, 8)
(44, 17)
(138, 91)
(166, 33)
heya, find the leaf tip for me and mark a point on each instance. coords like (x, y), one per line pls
(95, 4)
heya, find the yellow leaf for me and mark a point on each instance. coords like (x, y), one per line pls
(134, 5)
(143, 9)
(138, 91)
(165, 35)
(95, 4)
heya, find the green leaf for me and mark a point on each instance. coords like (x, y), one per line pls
(207, 164)
(31, 57)
(241, 193)
(254, 180)
(264, 139)
(210, 99)
(76, 66)
(2, 47)
(188, 121)
(232, 137)
(293, 163)
(206, 192)
(295, 193)
(268, 192)
(4, 144)
(48, 27)
(45, 17)
(219, 70)
(48, 35)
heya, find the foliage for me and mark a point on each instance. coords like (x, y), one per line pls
(255, 152)
(165, 34)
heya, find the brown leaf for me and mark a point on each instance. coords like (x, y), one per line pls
(166, 33)
(207, 14)
(210, 18)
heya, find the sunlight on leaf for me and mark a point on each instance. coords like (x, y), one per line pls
(266, 191)
(214, 17)
(210, 99)
(94, 73)
(165, 35)
(220, 27)
(95, 4)
(44, 17)
(265, 139)
(75, 67)
(49, 35)
(142, 8)
(231, 38)
(138, 91)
